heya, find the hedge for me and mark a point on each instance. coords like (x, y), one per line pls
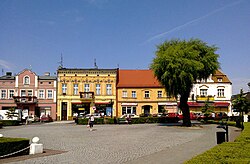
(140, 120)
(228, 152)
(10, 145)
(10, 122)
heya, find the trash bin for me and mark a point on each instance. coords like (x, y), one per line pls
(220, 137)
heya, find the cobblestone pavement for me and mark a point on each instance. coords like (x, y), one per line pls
(144, 143)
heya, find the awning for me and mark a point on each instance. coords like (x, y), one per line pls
(102, 103)
(221, 104)
(195, 104)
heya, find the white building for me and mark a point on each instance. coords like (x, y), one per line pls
(217, 90)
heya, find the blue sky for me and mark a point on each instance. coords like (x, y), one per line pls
(124, 33)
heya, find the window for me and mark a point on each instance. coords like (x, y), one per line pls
(3, 94)
(50, 94)
(128, 110)
(98, 89)
(219, 79)
(64, 88)
(26, 80)
(109, 89)
(159, 94)
(41, 94)
(86, 88)
(203, 92)
(146, 95)
(23, 93)
(11, 93)
(134, 94)
(30, 93)
(124, 94)
(75, 88)
(220, 93)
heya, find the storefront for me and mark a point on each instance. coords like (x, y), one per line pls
(80, 109)
(104, 108)
(129, 108)
(169, 107)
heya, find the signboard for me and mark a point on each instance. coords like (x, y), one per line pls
(167, 103)
(129, 104)
(81, 108)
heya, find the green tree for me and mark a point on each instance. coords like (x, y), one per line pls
(241, 104)
(179, 64)
(207, 109)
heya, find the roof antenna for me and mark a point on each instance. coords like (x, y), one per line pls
(95, 65)
(2, 71)
(61, 62)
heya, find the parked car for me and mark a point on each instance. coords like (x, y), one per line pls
(46, 118)
(131, 115)
(32, 118)
(192, 116)
(96, 115)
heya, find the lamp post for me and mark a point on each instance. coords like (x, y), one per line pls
(111, 105)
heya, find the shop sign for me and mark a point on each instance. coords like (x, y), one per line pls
(129, 104)
(167, 103)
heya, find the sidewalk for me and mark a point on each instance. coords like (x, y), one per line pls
(184, 152)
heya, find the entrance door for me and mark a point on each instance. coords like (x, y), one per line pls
(147, 109)
(64, 111)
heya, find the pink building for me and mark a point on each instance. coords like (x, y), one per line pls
(35, 95)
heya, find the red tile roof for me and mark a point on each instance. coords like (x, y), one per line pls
(137, 78)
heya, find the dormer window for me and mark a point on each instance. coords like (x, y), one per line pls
(26, 80)
(219, 79)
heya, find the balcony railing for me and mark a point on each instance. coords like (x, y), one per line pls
(25, 99)
(208, 98)
(87, 96)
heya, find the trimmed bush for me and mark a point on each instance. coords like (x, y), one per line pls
(10, 145)
(228, 152)
(10, 122)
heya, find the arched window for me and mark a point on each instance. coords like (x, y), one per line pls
(26, 80)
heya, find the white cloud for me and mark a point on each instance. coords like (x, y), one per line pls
(177, 28)
(6, 64)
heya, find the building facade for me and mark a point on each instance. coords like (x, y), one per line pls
(85, 91)
(216, 91)
(139, 92)
(35, 95)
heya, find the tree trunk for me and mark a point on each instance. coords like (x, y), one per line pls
(185, 110)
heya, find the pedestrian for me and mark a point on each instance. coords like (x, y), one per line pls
(91, 122)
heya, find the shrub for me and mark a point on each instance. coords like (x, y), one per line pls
(10, 122)
(10, 145)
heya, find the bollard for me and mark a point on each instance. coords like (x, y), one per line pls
(35, 147)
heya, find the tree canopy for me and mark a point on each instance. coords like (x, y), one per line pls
(178, 64)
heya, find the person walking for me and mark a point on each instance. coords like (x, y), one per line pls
(91, 122)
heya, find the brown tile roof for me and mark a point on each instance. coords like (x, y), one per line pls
(219, 75)
(137, 78)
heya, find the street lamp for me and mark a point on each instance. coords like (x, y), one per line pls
(111, 105)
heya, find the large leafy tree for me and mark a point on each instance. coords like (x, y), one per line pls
(178, 64)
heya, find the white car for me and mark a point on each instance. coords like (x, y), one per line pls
(131, 115)
(96, 115)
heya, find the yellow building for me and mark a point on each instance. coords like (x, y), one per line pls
(84, 91)
(139, 92)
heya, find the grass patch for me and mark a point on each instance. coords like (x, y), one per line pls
(228, 152)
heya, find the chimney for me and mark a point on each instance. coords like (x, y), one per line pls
(8, 73)
(46, 74)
